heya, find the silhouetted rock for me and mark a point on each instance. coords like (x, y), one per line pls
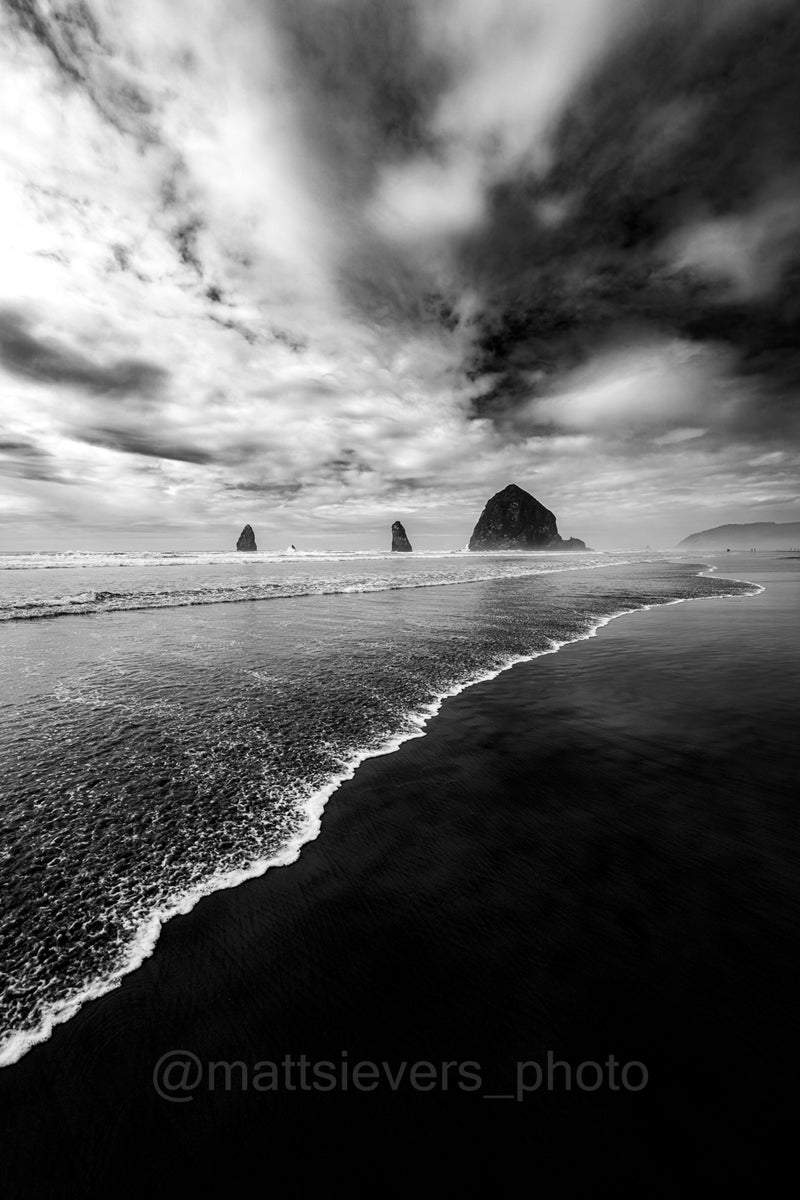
(247, 539)
(400, 541)
(515, 520)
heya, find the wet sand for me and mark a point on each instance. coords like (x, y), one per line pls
(590, 856)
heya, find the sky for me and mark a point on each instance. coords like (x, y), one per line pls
(318, 265)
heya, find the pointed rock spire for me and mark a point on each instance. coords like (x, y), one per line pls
(400, 542)
(247, 539)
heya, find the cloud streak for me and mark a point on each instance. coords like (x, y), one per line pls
(23, 353)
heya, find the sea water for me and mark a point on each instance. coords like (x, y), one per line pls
(174, 724)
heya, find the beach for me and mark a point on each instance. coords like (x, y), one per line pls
(587, 858)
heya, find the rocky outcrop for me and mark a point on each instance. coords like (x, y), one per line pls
(400, 542)
(515, 520)
(247, 539)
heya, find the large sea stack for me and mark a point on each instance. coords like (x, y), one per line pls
(247, 539)
(515, 520)
(400, 542)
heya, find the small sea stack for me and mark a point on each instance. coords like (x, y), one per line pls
(515, 520)
(247, 539)
(400, 542)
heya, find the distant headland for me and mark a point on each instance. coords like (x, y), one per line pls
(758, 535)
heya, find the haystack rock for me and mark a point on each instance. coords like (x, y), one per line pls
(515, 520)
(247, 539)
(400, 541)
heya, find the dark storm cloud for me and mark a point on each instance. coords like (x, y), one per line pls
(65, 38)
(73, 38)
(24, 353)
(26, 460)
(150, 445)
(184, 239)
(370, 81)
(23, 448)
(252, 337)
(349, 461)
(277, 491)
(249, 335)
(670, 168)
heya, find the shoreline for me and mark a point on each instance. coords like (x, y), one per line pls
(145, 944)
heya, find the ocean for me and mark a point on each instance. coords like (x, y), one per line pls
(172, 725)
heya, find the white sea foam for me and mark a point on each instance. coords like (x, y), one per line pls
(71, 559)
(281, 584)
(17, 1044)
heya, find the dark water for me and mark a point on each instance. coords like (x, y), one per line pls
(148, 758)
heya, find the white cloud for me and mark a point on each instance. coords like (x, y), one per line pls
(641, 389)
(513, 65)
(541, 49)
(425, 199)
(747, 250)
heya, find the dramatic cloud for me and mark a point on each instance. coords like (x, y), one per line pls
(320, 263)
(23, 353)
